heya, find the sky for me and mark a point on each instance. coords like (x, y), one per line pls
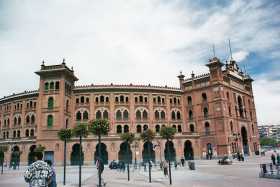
(141, 42)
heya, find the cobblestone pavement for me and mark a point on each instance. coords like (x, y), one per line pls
(207, 174)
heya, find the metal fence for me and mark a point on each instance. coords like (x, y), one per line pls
(270, 171)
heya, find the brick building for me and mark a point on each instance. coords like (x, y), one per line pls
(214, 114)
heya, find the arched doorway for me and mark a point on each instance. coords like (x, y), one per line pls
(104, 153)
(188, 150)
(209, 153)
(75, 155)
(31, 154)
(125, 155)
(245, 141)
(148, 152)
(15, 157)
(172, 151)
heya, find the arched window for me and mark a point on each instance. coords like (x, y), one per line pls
(126, 99)
(145, 115)
(18, 134)
(15, 121)
(98, 114)
(85, 115)
(190, 115)
(162, 115)
(157, 128)
(82, 99)
(50, 121)
(51, 86)
(179, 128)
(156, 115)
(191, 128)
(141, 99)
(116, 99)
(32, 132)
(174, 100)
(189, 100)
(107, 99)
(231, 127)
(57, 85)
(119, 129)
(207, 128)
(19, 120)
(240, 106)
(121, 98)
(173, 115)
(158, 99)
(26, 133)
(46, 86)
(77, 100)
(27, 119)
(178, 115)
(118, 115)
(32, 119)
(67, 105)
(138, 129)
(205, 112)
(253, 129)
(204, 97)
(78, 116)
(174, 127)
(50, 103)
(136, 99)
(126, 129)
(14, 134)
(125, 115)
(102, 99)
(146, 99)
(138, 115)
(96, 99)
(145, 127)
(87, 100)
(105, 115)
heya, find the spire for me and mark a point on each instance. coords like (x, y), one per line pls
(214, 52)
(229, 45)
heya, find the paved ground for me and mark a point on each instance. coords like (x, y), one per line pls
(207, 174)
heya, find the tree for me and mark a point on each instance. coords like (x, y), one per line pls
(80, 131)
(64, 135)
(128, 138)
(148, 136)
(265, 141)
(99, 127)
(3, 149)
(168, 134)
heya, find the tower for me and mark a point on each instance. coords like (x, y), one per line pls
(55, 91)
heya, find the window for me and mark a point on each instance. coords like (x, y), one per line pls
(189, 100)
(141, 99)
(50, 103)
(77, 100)
(157, 128)
(138, 115)
(240, 107)
(96, 99)
(179, 128)
(19, 120)
(125, 115)
(191, 128)
(138, 129)
(162, 115)
(18, 134)
(85, 115)
(205, 112)
(145, 127)
(207, 128)
(102, 99)
(27, 119)
(231, 127)
(98, 114)
(87, 100)
(51, 86)
(105, 115)
(174, 127)
(15, 121)
(136, 100)
(82, 99)
(121, 98)
(173, 115)
(57, 85)
(32, 119)
(178, 115)
(146, 99)
(116, 99)
(190, 115)
(27, 133)
(107, 99)
(78, 116)
(145, 115)
(32, 132)
(126, 129)
(156, 115)
(119, 129)
(46, 86)
(118, 115)
(50, 121)
(204, 97)
(126, 99)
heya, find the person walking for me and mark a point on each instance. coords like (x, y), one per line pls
(53, 177)
(278, 159)
(39, 173)
(183, 162)
(273, 159)
(165, 171)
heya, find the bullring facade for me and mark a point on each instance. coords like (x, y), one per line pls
(214, 114)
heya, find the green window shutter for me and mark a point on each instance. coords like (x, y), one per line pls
(50, 103)
(50, 121)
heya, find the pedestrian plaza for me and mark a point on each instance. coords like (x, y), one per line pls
(207, 174)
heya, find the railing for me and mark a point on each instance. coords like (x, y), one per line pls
(270, 171)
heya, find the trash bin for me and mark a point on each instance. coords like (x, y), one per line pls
(191, 165)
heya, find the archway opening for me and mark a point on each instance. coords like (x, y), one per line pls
(31, 154)
(148, 152)
(104, 153)
(172, 151)
(124, 155)
(75, 155)
(209, 153)
(188, 150)
(245, 141)
(15, 156)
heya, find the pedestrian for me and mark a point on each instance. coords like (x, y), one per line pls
(273, 159)
(39, 173)
(53, 177)
(238, 156)
(175, 164)
(183, 162)
(278, 159)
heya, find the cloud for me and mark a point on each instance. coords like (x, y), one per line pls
(147, 41)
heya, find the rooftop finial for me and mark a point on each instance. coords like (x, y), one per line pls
(43, 62)
(63, 61)
(230, 49)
